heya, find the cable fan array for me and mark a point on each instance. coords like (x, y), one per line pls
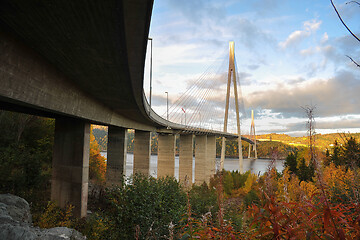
(202, 105)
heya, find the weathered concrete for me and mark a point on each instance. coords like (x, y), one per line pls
(200, 159)
(186, 159)
(142, 152)
(116, 155)
(28, 80)
(166, 155)
(210, 157)
(70, 173)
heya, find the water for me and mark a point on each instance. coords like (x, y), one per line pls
(258, 166)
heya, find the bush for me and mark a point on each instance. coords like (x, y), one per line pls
(54, 216)
(146, 205)
(26, 144)
(203, 200)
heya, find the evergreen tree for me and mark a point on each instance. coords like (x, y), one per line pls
(335, 158)
(291, 163)
(302, 171)
(327, 158)
(351, 152)
(305, 173)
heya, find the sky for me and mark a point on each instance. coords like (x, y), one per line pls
(289, 53)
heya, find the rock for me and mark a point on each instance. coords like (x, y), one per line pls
(16, 223)
(16, 232)
(17, 207)
(61, 233)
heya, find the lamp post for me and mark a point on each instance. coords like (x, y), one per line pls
(150, 70)
(200, 119)
(167, 106)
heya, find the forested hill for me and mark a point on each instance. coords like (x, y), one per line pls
(266, 143)
(322, 141)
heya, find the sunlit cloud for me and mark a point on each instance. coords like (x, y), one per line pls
(284, 61)
(297, 36)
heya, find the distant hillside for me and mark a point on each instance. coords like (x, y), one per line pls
(322, 141)
(267, 143)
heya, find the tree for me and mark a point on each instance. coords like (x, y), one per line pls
(356, 37)
(351, 152)
(309, 110)
(335, 158)
(26, 144)
(97, 165)
(291, 163)
(305, 173)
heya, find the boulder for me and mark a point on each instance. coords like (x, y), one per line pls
(17, 207)
(16, 223)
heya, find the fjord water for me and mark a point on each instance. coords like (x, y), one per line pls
(258, 166)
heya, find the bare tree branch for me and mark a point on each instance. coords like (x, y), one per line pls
(332, 3)
(358, 65)
(309, 110)
(356, 2)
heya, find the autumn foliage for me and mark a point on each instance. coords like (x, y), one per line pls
(97, 164)
(281, 206)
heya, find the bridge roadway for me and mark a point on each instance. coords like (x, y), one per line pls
(82, 62)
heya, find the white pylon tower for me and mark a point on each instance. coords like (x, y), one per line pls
(252, 136)
(232, 73)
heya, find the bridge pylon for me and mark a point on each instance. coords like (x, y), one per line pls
(252, 137)
(232, 76)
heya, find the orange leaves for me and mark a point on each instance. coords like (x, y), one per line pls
(97, 163)
(324, 209)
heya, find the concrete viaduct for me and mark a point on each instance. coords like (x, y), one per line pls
(82, 62)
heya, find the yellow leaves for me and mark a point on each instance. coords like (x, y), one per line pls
(250, 181)
(309, 189)
(97, 163)
(338, 179)
(53, 216)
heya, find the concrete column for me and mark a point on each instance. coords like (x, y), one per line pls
(200, 159)
(166, 155)
(142, 152)
(186, 159)
(70, 173)
(116, 155)
(210, 157)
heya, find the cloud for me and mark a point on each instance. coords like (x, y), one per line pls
(207, 21)
(208, 81)
(190, 34)
(245, 78)
(198, 10)
(249, 34)
(333, 96)
(297, 36)
(324, 38)
(265, 7)
(338, 124)
(253, 66)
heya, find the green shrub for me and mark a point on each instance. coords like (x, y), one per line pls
(203, 200)
(251, 198)
(146, 204)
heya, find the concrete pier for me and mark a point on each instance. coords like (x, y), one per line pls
(210, 157)
(70, 173)
(166, 155)
(116, 155)
(200, 159)
(186, 159)
(142, 152)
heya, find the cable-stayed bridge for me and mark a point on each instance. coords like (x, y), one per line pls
(82, 62)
